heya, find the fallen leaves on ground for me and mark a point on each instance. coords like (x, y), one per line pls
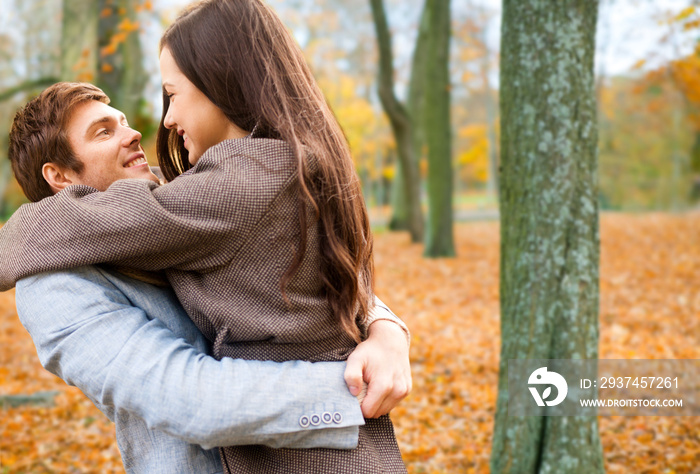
(650, 308)
(71, 437)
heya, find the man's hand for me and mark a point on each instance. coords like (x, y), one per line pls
(382, 362)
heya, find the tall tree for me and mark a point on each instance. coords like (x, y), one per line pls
(100, 44)
(416, 99)
(549, 222)
(402, 126)
(438, 132)
(416, 90)
(79, 40)
(121, 72)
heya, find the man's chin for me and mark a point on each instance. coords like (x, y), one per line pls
(143, 174)
(153, 178)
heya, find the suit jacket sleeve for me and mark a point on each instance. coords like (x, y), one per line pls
(125, 359)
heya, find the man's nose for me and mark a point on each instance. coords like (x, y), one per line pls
(132, 137)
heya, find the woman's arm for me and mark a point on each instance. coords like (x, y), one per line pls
(380, 311)
(382, 362)
(195, 222)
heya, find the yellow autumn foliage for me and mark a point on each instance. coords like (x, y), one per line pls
(473, 160)
(365, 128)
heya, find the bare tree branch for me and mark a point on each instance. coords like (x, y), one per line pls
(27, 86)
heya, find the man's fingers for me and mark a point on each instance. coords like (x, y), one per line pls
(353, 374)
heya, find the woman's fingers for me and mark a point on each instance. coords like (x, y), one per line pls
(382, 362)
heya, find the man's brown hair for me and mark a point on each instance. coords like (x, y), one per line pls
(38, 136)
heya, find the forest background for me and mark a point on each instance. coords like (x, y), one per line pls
(648, 96)
(648, 87)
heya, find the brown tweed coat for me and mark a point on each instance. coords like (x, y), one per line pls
(224, 233)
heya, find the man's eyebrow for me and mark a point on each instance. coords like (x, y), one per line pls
(98, 121)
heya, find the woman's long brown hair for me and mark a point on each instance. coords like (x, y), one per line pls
(243, 58)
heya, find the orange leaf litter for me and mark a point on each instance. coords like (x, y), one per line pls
(650, 308)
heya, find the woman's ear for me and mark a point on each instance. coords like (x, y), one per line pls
(57, 176)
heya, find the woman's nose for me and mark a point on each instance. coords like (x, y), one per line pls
(168, 121)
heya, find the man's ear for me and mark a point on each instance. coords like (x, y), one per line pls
(57, 176)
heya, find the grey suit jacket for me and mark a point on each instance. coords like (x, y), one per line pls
(132, 350)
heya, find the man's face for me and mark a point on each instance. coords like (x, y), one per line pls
(101, 139)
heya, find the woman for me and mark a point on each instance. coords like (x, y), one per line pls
(209, 97)
(264, 235)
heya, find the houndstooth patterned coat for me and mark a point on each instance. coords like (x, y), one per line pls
(224, 232)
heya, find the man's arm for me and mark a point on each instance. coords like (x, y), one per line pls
(88, 332)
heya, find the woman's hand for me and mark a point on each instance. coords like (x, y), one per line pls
(382, 362)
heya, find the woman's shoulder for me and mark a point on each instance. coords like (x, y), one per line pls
(246, 166)
(269, 150)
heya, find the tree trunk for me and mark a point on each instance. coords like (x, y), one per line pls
(416, 101)
(399, 201)
(439, 238)
(695, 169)
(549, 222)
(401, 125)
(100, 45)
(416, 104)
(5, 179)
(121, 74)
(79, 40)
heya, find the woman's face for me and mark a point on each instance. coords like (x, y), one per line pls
(201, 123)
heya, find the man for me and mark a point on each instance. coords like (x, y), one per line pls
(131, 348)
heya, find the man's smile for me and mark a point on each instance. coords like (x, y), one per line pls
(136, 160)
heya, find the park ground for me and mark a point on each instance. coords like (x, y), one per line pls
(650, 309)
